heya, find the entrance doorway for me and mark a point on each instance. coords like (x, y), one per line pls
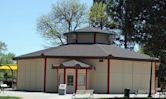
(70, 83)
(74, 74)
(74, 79)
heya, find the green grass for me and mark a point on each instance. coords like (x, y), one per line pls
(9, 97)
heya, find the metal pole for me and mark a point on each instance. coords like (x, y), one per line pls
(150, 85)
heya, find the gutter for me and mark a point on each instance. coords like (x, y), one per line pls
(87, 57)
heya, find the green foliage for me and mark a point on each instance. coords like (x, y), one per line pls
(2, 47)
(6, 74)
(6, 58)
(162, 69)
(103, 1)
(121, 14)
(150, 31)
(142, 22)
(45, 27)
(65, 16)
(98, 15)
(2, 73)
(140, 50)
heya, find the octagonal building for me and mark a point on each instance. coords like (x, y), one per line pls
(87, 61)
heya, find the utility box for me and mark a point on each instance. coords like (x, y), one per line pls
(62, 89)
(127, 93)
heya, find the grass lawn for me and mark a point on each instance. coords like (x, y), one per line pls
(9, 97)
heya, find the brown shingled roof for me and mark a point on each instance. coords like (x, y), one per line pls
(87, 50)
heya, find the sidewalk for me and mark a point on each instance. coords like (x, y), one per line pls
(35, 95)
(41, 95)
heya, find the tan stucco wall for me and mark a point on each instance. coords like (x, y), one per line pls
(82, 72)
(71, 38)
(102, 38)
(123, 74)
(51, 74)
(88, 38)
(30, 74)
(98, 77)
(130, 74)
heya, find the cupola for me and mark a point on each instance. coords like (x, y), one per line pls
(89, 35)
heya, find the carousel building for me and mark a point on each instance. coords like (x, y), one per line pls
(87, 61)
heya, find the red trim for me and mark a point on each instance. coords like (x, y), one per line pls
(86, 78)
(76, 79)
(64, 77)
(108, 76)
(155, 77)
(58, 78)
(45, 64)
(94, 39)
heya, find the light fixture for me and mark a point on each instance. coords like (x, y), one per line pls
(101, 60)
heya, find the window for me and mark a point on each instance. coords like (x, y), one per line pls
(81, 80)
(85, 38)
(70, 80)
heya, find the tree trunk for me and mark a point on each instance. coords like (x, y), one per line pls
(125, 39)
(101, 25)
(60, 39)
(69, 27)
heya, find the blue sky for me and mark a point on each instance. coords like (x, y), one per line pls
(18, 20)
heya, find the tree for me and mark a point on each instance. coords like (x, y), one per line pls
(121, 11)
(5, 58)
(120, 18)
(140, 49)
(98, 16)
(142, 22)
(150, 26)
(2, 47)
(103, 1)
(65, 16)
(162, 70)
